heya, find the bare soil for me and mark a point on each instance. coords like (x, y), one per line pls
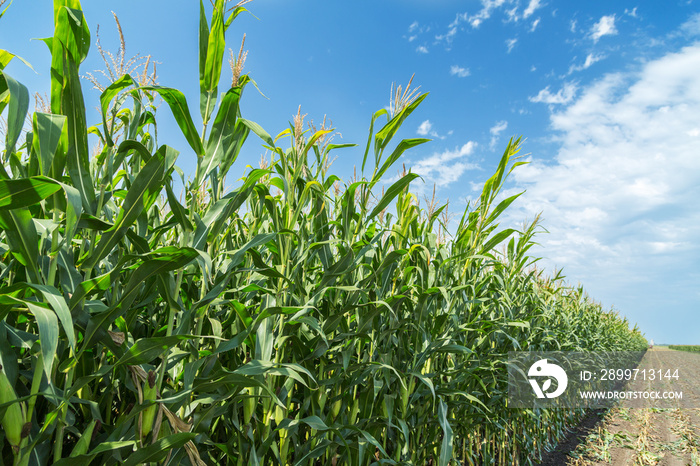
(627, 435)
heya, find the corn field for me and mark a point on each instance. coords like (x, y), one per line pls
(295, 319)
(691, 348)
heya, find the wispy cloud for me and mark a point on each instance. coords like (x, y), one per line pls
(508, 8)
(475, 20)
(422, 49)
(496, 131)
(604, 27)
(445, 167)
(514, 16)
(458, 71)
(510, 44)
(565, 95)
(415, 29)
(448, 36)
(424, 128)
(692, 25)
(485, 13)
(590, 60)
(532, 6)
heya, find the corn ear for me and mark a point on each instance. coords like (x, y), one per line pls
(335, 407)
(13, 420)
(249, 405)
(150, 392)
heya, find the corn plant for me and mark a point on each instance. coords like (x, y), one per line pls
(295, 319)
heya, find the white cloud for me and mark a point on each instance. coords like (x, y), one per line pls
(449, 36)
(510, 43)
(564, 96)
(461, 17)
(422, 49)
(632, 12)
(534, 5)
(620, 198)
(458, 71)
(499, 127)
(508, 7)
(513, 14)
(424, 128)
(487, 8)
(414, 30)
(604, 27)
(496, 131)
(590, 60)
(445, 167)
(692, 25)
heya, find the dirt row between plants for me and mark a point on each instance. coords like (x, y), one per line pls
(628, 435)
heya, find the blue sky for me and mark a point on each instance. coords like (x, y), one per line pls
(607, 95)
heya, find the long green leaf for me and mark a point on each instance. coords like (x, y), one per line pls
(446, 447)
(106, 98)
(159, 449)
(221, 143)
(77, 157)
(260, 367)
(216, 44)
(57, 302)
(71, 29)
(160, 261)
(47, 129)
(26, 191)
(86, 459)
(403, 146)
(148, 182)
(391, 193)
(48, 333)
(178, 106)
(145, 350)
(384, 135)
(19, 104)
(259, 131)
(22, 238)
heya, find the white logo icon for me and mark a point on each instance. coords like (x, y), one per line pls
(544, 369)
